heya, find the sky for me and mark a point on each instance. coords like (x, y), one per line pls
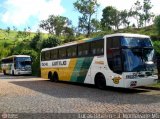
(29, 13)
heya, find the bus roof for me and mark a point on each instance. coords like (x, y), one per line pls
(127, 35)
(97, 38)
(16, 56)
(74, 43)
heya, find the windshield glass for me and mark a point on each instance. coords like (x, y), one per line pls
(135, 42)
(22, 62)
(138, 59)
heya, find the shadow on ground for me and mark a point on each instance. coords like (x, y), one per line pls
(73, 90)
(3, 77)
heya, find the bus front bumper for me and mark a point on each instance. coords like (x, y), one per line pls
(23, 72)
(129, 83)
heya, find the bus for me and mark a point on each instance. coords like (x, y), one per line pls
(118, 60)
(17, 65)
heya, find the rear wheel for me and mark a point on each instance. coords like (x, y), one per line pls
(55, 77)
(100, 81)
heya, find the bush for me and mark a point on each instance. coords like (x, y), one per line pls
(51, 42)
(157, 24)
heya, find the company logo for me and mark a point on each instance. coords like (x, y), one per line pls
(116, 80)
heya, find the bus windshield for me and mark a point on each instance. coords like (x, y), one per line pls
(135, 42)
(138, 54)
(23, 62)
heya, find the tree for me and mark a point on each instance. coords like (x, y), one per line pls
(95, 25)
(87, 8)
(34, 42)
(157, 24)
(14, 28)
(110, 18)
(136, 12)
(8, 30)
(69, 34)
(55, 24)
(125, 18)
(146, 9)
(51, 42)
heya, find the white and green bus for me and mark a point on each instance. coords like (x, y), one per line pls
(118, 60)
(16, 65)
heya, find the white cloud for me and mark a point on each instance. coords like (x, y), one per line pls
(18, 12)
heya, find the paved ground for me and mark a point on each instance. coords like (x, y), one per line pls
(26, 94)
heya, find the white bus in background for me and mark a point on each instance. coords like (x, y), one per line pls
(17, 65)
(118, 60)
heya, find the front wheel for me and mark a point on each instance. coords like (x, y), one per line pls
(12, 73)
(50, 76)
(4, 72)
(100, 81)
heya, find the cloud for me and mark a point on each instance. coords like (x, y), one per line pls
(19, 12)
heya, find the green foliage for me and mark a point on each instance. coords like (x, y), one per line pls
(157, 24)
(136, 12)
(55, 24)
(142, 13)
(87, 8)
(146, 9)
(110, 18)
(157, 46)
(125, 15)
(51, 42)
(36, 66)
(95, 25)
(35, 40)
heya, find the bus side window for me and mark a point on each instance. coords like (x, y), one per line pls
(72, 51)
(62, 53)
(52, 54)
(97, 47)
(83, 49)
(47, 55)
(55, 54)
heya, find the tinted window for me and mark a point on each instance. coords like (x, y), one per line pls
(72, 51)
(47, 55)
(97, 47)
(54, 54)
(9, 60)
(113, 42)
(83, 49)
(114, 54)
(134, 42)
(43, 56)
(62, 53)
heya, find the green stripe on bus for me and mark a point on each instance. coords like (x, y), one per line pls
(81, 69)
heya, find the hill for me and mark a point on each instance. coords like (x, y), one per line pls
(18, 42)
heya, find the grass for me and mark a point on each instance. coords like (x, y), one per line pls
(156, 85)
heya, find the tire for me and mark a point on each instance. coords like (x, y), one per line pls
(12, 73)
(50, 76)
(55, 77)
(4, 72)
(100, 81)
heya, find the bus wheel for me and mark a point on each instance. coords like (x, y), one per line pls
(50, 76)
(55, 77)
(12, 73)
(4, 72)
(100, 81)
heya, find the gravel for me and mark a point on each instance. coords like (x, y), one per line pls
(26, 94)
